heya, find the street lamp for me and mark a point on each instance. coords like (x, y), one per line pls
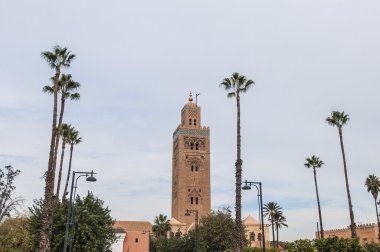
(90, 178)
(247, 186)
(188, 213)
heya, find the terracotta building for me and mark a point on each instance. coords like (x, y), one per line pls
(367, 233)
(191, 167)
(133, 236)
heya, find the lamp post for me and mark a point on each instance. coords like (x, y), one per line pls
(247, 186)
(90, 178)
(188, 213)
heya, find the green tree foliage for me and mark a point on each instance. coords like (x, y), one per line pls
(13, 235)
(336, 244)
(216, 234)
(302, 245)
(186, 243)
(372, 247)
(217, 230)
(93, 225)
(8, 204)
(161, 226)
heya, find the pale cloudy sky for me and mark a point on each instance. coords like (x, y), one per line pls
(137, 61)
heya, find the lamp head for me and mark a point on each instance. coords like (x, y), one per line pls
(91, 178)
(246, 187)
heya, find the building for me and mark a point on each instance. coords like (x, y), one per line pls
(190, 167)
(367, 233)
(133, 236)
(253, 232)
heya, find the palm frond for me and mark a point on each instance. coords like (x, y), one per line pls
(231, 94)
(48, 89)
(75, 97)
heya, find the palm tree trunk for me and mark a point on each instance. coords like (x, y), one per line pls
(58, 134)
(47, 212)
(319, 205)
(68, 172)
(277, 236)
(273, 237)
(60, 168)
(378, 222)
(353, 225)
(238, 176)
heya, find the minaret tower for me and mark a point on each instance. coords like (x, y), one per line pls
(191, 165)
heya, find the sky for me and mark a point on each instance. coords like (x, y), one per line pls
(137, 61)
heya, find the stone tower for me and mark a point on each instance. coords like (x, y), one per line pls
(191, 165)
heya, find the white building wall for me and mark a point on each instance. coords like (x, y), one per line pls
(118, 245)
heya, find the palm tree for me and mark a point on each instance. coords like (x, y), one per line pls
(279, 221)
(373, 186)
(67, 87)
(270, 210)
(235, 85)
(339, 119)
(72, 139)
(65, 129)
(314, 162)
(161, 226)
(57, 58)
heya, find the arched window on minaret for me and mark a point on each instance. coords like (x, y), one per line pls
(196, 200)
(190, 121)
(197, 146)
(192, 200)
(195, 122)
(192, 146)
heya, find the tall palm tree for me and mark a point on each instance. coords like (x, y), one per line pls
(73, 139)
(65, 129)
(235, 85)
(279, 221)
(57, 58)
(270, 210)
(339, 119)
(373, 186)
(314, 162)
(67, 88)
(161, 226)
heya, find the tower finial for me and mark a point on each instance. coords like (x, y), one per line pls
(190, 97)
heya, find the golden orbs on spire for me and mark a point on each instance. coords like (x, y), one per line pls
(190, 97)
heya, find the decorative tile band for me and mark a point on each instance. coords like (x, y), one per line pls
(191, 132)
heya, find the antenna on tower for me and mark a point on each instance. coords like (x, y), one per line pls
(196, 98)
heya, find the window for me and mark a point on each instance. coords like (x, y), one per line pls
(190, 121)
(192, 168)
(200, 190)
(188, 190)
(192, 146)
(196, 200)
(196, 168)
(137, 240)
(191, 200)
(195, 122)
(197, 146)
(259, 236)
